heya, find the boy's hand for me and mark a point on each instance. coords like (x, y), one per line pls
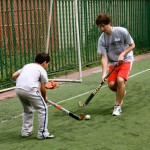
(46, 99)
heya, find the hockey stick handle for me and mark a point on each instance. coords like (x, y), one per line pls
(111, 71)
(81, 117)
(99, 86)
(93, 93)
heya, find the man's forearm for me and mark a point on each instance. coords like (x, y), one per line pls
(104, 64)
(128, 49)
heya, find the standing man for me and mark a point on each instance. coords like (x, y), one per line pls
(115, 46)
(30, 88)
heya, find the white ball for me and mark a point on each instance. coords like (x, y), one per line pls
(87, 117)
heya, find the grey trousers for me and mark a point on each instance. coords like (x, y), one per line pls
(33, 100)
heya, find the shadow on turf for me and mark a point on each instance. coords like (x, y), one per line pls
(102, 111)
(13, 137)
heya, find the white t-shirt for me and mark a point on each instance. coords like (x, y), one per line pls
(115, 43)
(31, 75)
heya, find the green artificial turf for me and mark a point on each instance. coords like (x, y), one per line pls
(130, 131)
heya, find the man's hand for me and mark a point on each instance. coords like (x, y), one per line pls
(120, 58)
(104, 78)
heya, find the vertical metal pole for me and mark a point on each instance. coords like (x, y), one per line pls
(49, 26)
(78, 39)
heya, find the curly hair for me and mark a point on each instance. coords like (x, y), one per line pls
(103, 19)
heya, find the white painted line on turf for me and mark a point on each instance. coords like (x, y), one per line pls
(139, 73)
(68, 99)
(14, 117)
(102, 87)
(77, 96)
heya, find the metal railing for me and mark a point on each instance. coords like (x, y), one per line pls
(24, 25)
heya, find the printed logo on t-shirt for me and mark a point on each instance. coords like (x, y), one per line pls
(117, 39)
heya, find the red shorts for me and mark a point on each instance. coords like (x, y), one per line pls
(123, 71)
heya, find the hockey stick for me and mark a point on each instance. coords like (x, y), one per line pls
(81, 104)
(81, 117)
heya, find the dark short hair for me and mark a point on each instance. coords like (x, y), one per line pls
(103, 19)
(41, 57)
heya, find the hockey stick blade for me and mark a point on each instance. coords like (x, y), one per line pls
(81, 117)
(81, 104)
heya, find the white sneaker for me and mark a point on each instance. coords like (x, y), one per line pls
(50, 136)
(25, 135)
(117, 111)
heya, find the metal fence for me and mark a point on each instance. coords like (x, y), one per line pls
(24, 26)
